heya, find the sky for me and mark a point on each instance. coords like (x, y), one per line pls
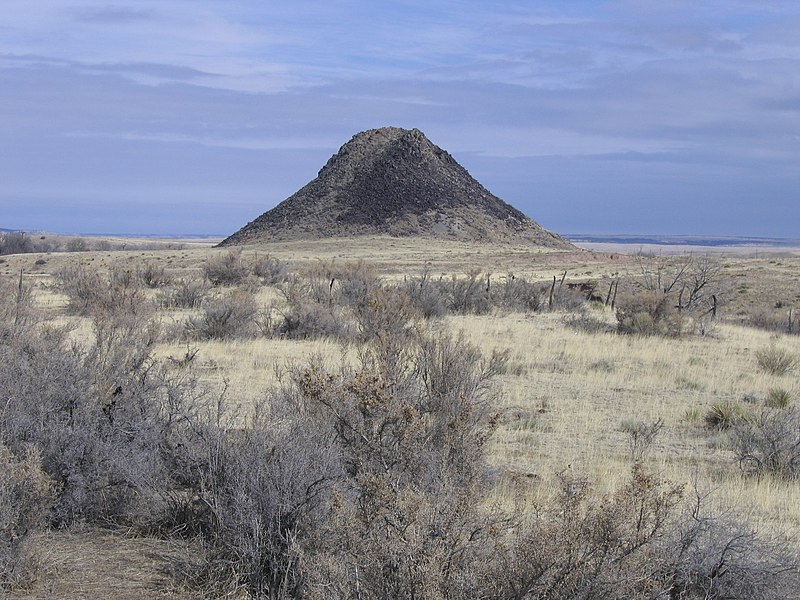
(195, 116)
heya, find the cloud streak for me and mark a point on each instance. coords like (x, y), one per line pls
(629, 101)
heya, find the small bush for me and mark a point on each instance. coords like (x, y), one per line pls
(269, 269)
(769, 442)
(515, 293)
(77, 245)
(776, 361)
(90, 293)
(16, 243)
(184, 293)
(778, 398)
(638, 542)
(26, 495)
(225, 269)
(469, 295)
(774, 319)
(426, 295)
(641, 436)
(228, 316)
(649, 313)
(152, 276)
(312, 309)
(724, 415)
(587, 323)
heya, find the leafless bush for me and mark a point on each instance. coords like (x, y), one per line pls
(640, 542)
(77, 244)
(470, 294)
(566, 299)
(385, 312)
(769, 442)
(266, 489)
(641, 436)
(269, 269)
(91, 293)
(228, 316)
(775, 319)
(363, 481)
(26, 494)
(184, 293)
(312, 309)
(426, 295)
(516, 293)
(16, 243)
(152, 275)
(225, 269)
(103, 419)
(357, 282)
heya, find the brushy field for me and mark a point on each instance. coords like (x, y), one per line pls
(585, 390)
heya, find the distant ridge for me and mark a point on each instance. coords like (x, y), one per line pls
(393, 181)
(682, 240)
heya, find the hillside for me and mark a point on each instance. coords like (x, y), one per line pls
(393, 181)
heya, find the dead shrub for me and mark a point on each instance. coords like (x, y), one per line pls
(16, 242)
(103, 420)
(586, 322)
(312, 309)
(640, 542)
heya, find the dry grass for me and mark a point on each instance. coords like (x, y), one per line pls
(566, 392)
(102, 564)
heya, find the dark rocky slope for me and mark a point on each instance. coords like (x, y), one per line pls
(394, 181)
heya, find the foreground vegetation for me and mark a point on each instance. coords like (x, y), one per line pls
(476, 436)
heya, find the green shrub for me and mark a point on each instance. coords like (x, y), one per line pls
(778, 398)
(723, 415)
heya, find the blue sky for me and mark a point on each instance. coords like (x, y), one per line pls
(195, 116)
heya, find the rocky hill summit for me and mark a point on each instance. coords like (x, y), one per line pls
(394, 181)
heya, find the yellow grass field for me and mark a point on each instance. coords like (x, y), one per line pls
(567, 394)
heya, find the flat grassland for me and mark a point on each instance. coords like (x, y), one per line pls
(569, 396)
